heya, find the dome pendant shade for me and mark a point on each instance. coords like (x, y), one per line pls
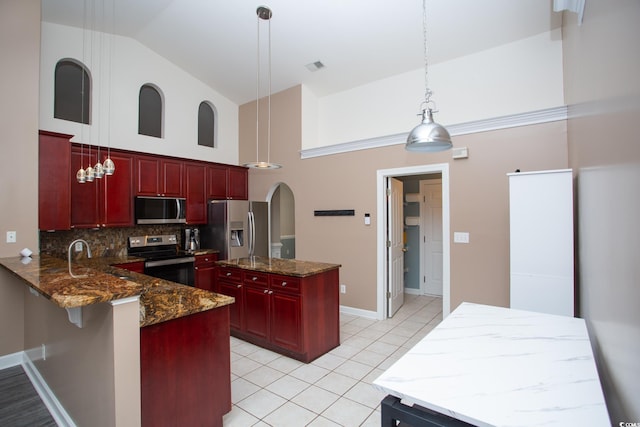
(428, 136)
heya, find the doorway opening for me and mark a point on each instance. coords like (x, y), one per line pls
(387, 222)
(283, 224)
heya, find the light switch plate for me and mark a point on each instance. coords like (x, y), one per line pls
(460, 237)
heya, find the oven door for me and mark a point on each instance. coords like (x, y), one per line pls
(179, 270)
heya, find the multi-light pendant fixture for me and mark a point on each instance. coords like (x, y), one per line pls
(99, 170)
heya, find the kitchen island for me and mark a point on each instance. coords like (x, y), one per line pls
(494, 366)
(149, 351)
(288, 306)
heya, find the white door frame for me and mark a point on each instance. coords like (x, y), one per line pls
(382, 268)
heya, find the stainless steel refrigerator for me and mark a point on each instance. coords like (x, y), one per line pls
(236, 228)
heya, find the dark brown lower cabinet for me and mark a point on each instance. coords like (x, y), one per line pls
(185, 370)
(295, 316)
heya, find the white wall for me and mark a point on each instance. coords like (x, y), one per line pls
(133, 66)
(514, 78)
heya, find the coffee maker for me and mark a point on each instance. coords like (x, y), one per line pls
(191, 240)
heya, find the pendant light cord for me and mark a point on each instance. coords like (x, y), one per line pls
(258, 89)
(82, 83)
(111, 43)
(269, 99)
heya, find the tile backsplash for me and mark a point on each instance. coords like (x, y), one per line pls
(102, 241)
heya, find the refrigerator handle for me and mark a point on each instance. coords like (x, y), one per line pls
(252, 231)
(253, 234)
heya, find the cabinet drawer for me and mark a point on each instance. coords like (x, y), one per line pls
(206, 260)
(256, 278)
(285, 283)
(230, 274)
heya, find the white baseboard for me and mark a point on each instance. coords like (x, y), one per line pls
(57, 411)
(11, 360)
(412, 291)
(359, 312)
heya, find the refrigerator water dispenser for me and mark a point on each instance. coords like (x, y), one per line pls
(237, 234)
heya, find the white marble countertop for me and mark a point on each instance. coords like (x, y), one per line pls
(494, 366)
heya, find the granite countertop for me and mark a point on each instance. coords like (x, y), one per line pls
(160, 300)
(286, 267)
(494, 366)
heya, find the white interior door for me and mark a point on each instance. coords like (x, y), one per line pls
(432, 236)
(395, 246)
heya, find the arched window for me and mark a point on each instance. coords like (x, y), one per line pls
(206, 125)
(72, 92)
(150, 111)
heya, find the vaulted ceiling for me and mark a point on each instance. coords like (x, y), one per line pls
(358, 41)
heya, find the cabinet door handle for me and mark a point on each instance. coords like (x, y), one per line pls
(284, 283)
(270, 292)
(195, 268)
(266, 291)
(228, 274)
(238, 286)
(254, 278)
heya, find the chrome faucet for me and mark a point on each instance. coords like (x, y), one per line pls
(69, 251)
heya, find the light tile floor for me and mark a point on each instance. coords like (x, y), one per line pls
(268, 389)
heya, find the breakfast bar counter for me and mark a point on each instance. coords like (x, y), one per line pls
(97, 280)
(493, 366)
(147, 351)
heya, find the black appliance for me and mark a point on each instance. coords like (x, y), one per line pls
(162, 258)
(160, 210)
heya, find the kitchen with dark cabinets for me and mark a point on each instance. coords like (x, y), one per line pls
(184, 352)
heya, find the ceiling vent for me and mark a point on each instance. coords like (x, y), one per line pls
(315, 66)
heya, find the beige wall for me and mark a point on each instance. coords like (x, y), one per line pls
(479, 198)
(94, 371)
(20, 50)
(602, 65)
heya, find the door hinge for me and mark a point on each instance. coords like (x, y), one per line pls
(388, 192)
(388, 295)
(388, 243)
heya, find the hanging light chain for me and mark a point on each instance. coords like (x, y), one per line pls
(427, 91)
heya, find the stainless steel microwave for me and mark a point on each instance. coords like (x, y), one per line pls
(160, 210)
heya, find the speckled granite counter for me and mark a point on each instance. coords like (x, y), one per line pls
(287, 267)
(160, 300)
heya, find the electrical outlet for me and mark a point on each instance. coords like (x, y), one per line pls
(343, 289)
(78, 246)
(11, 236)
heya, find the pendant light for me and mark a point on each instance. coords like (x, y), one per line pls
(108, 167)
(265, 14)
(81, 175)
(428, 136)
(89, 172)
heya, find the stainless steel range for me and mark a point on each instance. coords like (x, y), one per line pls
(162, 257)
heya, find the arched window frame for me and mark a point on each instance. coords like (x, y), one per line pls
(145, 127)
(70, 105)
(208, 133)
